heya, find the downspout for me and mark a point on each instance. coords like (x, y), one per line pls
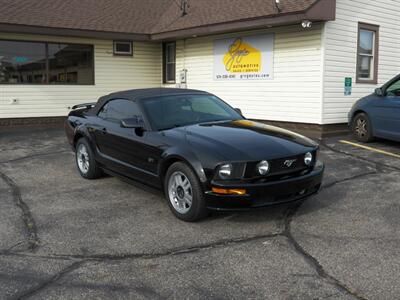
(184, 70)
(323, 57)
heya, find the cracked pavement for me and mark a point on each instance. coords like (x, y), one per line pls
(63, 237)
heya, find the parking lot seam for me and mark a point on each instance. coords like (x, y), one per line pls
(29, 221)
(172, 252)
(33, 156)
(358, 176)
(311, 260)
(45, 284)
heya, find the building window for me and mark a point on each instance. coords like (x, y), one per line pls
(169, 62)
(123, 48)
(24, 62)
(367, 54)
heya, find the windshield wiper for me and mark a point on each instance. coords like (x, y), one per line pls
(216, 122)
(170, 127)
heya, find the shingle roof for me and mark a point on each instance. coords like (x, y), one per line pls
(140, 16)
(126, 16)
(207, 12)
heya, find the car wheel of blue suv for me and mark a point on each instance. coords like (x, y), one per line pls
(362, 128)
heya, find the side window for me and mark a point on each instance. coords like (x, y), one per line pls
(119, 109)
(103, 112)
(394, 89)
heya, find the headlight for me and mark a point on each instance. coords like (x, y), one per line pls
(225, 171)
(308, 158)
(263, 167)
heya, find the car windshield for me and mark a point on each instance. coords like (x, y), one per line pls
(167, 112)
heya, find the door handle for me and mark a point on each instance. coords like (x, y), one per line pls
(103, 130)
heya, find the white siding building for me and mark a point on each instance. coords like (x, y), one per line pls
(347, 39)
(340, 40)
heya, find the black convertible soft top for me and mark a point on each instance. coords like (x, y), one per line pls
(140, 94)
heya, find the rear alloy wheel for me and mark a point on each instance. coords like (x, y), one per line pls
(184, 193)
(87, 166)
(362, 128)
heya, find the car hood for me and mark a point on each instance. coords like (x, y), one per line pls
(244, 140)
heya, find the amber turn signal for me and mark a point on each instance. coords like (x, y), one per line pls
(228, 191)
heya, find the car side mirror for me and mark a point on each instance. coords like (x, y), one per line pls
(239, 111)
(132, 123)
(379, 92)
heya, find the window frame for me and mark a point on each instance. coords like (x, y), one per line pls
(118, 53)
(46, 43)
(375, 66)
(165, 62)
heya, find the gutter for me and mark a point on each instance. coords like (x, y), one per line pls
(107, 35)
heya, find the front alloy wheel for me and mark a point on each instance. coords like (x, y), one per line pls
(180, 192)
(362, 129)
(184, 193)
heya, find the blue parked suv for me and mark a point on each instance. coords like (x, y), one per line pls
(378, 115)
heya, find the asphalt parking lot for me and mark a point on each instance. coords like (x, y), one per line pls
(62, 237)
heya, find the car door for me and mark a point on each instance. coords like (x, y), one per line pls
(129, 152)
(386, 112)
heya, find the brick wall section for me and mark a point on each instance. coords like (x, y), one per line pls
(44, 122)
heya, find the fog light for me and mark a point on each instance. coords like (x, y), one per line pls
(220, 191)
(225, 171)
(308, 158)
(263, 167)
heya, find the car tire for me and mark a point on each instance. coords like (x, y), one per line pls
(84, 157)
(184, 193)
(362, 128)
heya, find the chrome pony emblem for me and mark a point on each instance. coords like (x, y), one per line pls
(289, 162)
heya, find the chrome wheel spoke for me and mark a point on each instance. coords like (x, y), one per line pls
(361, 128)
(188, 200)
(177, 180)
(186, 184)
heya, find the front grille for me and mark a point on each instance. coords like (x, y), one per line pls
(263, 200)
(279, 168)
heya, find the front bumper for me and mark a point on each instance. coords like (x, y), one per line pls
(267, 193)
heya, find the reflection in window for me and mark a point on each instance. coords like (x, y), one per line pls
(45, 63)
(70, 64)
(22, 62)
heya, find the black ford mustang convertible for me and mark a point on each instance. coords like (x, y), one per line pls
(203, 153)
